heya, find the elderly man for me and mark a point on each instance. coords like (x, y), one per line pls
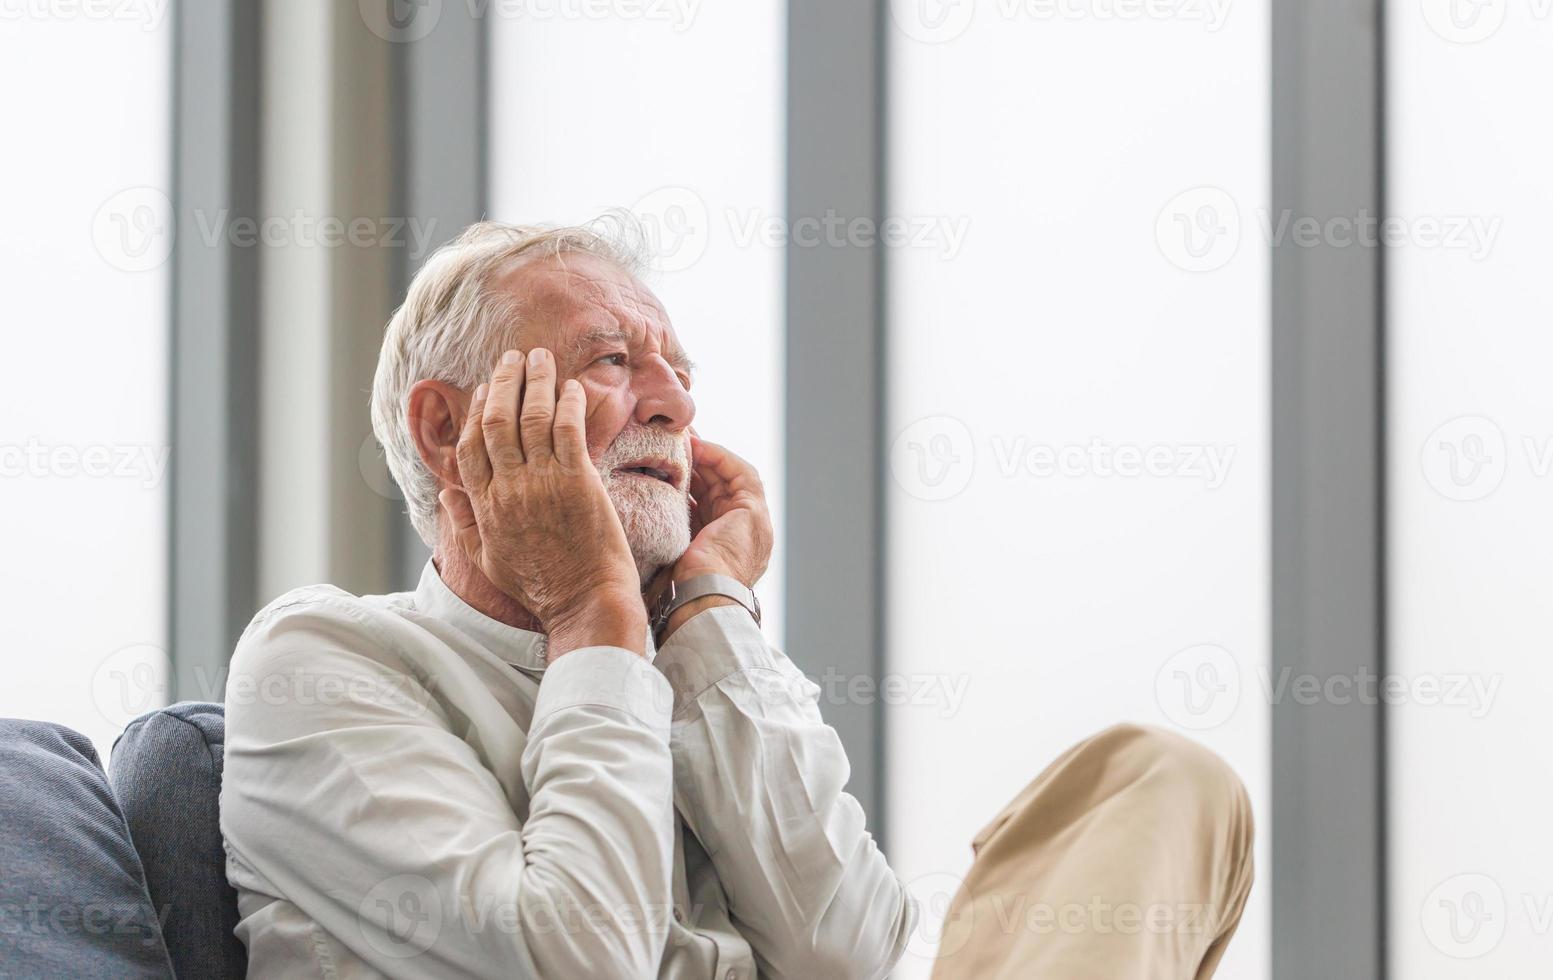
(524, 768)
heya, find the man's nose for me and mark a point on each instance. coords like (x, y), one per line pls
(662, 400)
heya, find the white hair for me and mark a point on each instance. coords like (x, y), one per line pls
(453, 326)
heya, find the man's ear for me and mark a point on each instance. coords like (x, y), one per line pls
(436, 416)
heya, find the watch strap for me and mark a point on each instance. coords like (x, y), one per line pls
(699, 586)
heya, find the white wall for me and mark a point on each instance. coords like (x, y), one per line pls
(1077, 153)
(674, 111)
(1471, 413)
(83, 383)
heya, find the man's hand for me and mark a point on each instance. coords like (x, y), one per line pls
(729, 521)
(533, 514)
(731, 524)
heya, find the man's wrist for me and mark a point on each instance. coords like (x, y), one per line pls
(682, 575)
(689, 610)
(602, 622)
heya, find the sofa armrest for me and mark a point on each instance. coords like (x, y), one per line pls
(73, 898)
(166, 771)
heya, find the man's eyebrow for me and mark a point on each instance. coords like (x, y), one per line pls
(599, 336)
(678, 359)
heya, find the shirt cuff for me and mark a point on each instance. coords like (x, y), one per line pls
(710, 646)
(609, 677)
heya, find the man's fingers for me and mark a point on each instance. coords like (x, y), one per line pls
(538, 412)
(706, 483)
(474, 467)
(466, 531)
(571, 439)
(708, 490)
(698, 515)
(500, 417)
(727, 466)
(721, 472)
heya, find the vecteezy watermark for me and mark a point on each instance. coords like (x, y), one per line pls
(934, 934)
(1468, 458)
(938, 21)
(133, 230)
(310, 687)
(1465, 459)
(1466, 916)
(943, 234)
(1206, 462)
(1200, 230)
(404, 915)
(942, 929)
(1200, 687)
(401, 916)
(52, 921)
(680, 226)
(299, 229)
(373, 466)
(138, 678)
(132, 680)
(1471, 21)
(934, 458)
(943, 693)
(149, 14)
(403, 21)
(33, 459)
(678, 14)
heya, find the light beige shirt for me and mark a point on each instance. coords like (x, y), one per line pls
(411, 791)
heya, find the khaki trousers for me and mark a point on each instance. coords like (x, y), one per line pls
(1129, 858)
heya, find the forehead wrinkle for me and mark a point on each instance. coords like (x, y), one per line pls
(569, 293)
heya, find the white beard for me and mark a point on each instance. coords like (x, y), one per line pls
(655, 515)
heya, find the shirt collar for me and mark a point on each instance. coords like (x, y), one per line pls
(519, 647)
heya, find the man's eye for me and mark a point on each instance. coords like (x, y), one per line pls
(613, 360)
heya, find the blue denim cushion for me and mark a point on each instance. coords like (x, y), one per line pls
(73, 899)
(166, 769)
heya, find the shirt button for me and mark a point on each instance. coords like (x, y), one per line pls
(679, 916)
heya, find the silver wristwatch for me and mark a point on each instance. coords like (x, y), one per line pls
(704, 585)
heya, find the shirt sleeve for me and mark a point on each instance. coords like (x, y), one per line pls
(759, 778)
(352, 792)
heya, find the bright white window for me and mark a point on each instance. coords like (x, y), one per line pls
(83, 441)
(675, 112)
(1471, 480)
(1078, 406)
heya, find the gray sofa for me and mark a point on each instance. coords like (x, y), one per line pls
(116, 874)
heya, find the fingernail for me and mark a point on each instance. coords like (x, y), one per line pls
(536, 357)
(512, 357)
(480, 392)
